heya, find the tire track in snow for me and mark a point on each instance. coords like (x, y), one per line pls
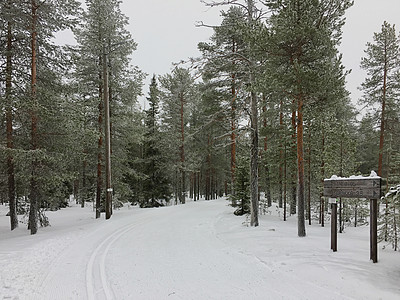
(98, 260)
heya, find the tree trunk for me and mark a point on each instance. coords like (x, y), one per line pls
(267, 177)
(84, 188)
(200, 187)
(182, 151)
(254, 160)
(300, 161)
(34, 189)
(284, 185)
(108, 204)
(382, 133)
(341, 224)
(254, 131)
(309, 179)
(321, 195)
(99, 182)
(10, 137)
(294, 175)
(281, 156)
(233, 129)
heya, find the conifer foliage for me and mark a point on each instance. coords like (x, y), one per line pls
(156, 185)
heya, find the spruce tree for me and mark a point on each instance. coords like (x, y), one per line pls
(156, 184)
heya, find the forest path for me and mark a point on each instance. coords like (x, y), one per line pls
(168, 253)
(198, 251)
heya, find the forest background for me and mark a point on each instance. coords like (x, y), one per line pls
(262, 114)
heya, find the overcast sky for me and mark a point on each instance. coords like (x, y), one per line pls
(165, 31)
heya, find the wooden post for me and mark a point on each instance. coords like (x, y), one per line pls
(333, 224)
(374, 230)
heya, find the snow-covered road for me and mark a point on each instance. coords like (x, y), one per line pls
(193, 251)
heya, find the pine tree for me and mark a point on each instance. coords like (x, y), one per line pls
(45, 18)
(248, 30)
(381, 85)
(8, 25)
(103, 35)
(177, 89)
(304, 40)
(225, 67)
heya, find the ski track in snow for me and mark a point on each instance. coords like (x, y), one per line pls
(98, 261)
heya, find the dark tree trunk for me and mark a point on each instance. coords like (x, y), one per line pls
(321, 194)
(309, 180)
(284, 185)
(300, 160)
(341, 225)
(254, 160)
(281, 156)
(382, 127)
(10, 137)
(182, 152)
(254, 128)
(99, 182)
(84, 188)
(266, 167)
(294, 175)
(34, 188)
(233, 128)
(107, 130)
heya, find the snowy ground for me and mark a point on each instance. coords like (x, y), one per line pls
(195, 251)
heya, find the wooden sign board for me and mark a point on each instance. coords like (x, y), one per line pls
(369, 188)
(365, 187)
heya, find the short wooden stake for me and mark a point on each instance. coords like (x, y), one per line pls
(374, 230)
(334, 227)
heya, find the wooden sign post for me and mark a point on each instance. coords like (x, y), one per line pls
(364, 187)
(333, 203)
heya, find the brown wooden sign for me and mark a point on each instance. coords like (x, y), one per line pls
(365, 187)
(369, 188)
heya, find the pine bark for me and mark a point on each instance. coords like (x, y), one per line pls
(281, 157)
(99, 180)
(309, 180)
(182, 152)
(233, 128)
(34, 188)
(254, 131)
(10, 137)
(254, 159)
(321, 195)
(300, 161)
(266, 167)
(293, 200)
(108, 202)
(382, 125)
(84, 188)
(284, 185)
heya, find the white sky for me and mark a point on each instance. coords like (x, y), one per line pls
(363, 19)
(166, 33)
